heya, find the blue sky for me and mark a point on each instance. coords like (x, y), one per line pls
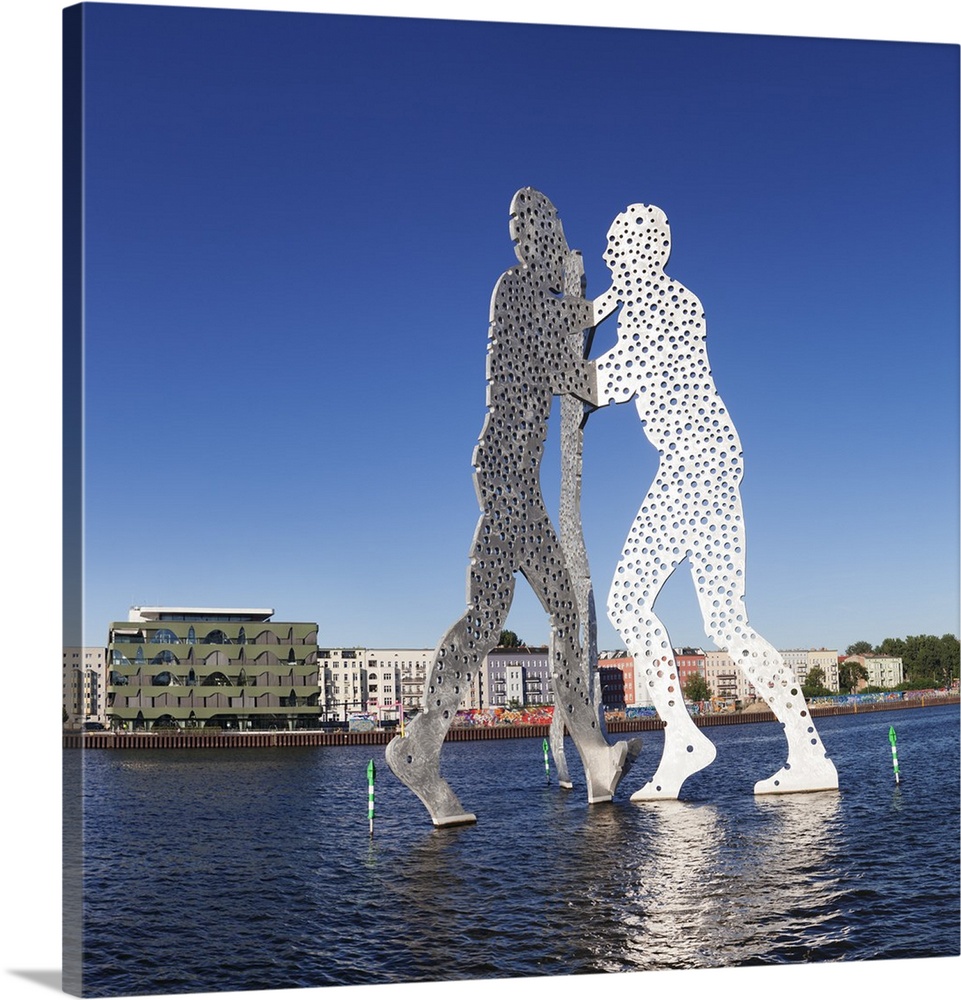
(293, 226)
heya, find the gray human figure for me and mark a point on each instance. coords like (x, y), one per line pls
(692, 511)
(573, 415)
(529, 360)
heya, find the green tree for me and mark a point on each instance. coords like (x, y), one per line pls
(859, 648)
(696, 689)
(849, 672)
(951, 655)
(510, 640)
(891, 647)
(814, 686)
(927, 658)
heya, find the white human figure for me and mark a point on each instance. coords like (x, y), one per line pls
(692, 510)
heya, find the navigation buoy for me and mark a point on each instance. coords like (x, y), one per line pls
(893, 737)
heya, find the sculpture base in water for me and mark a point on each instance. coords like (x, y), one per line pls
(416, 763)
(604, 767)
(815, 776)
(679, 761)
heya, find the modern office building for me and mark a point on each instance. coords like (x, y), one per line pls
(225, 668)
(84, 686)
(612, 687)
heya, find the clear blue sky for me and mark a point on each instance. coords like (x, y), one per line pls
(294, 223)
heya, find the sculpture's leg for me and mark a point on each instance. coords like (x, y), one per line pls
(808, 767)
(556, 742)
(630, 608)
(721, 596)
(686, 749)
(415, 756)
(570, 528)
(574, 696)
(415, 759)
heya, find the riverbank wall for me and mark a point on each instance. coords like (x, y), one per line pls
(187, 739)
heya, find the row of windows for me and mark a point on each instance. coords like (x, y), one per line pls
(215, 637)
(167, 656)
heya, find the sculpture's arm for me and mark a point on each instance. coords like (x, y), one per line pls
(604, 305)
(614, 379)
(579, 380)
(569, 372)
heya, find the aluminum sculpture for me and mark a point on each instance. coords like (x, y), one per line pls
(535, 351)
(692, 510)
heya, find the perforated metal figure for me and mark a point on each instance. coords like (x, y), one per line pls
(531, 357)
(692, 511)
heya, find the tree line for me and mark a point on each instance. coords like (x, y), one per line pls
(929, 661)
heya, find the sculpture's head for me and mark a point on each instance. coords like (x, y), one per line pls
(639, 240)
(537, 232)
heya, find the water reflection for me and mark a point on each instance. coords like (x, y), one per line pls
(786, 881)
(668, 917)
(700, 891)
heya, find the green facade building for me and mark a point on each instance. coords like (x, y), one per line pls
(224, 668)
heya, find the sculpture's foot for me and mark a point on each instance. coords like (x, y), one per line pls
(419, 769)
(556, 742)
(814, 775)
(678, 762)
(563, 774)
(607, 766)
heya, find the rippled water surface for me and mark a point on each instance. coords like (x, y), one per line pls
(253, 869)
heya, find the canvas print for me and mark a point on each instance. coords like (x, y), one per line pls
(511, 478)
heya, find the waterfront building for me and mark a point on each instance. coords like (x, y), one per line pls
(609, 660)
(690, 662)
(395, 678)
(882, 671)
(803, 661)
(612, 687)
(223, 668)
(342, 679)
(726, 681)
(376, 682)
(518, 676)
(84, 686)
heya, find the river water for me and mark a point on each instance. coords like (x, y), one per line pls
(209, 870)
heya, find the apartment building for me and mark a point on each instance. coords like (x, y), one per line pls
(690, 662)
(803, 661)
(395, 678)
(724, 678)
(84, 686)
(609, 661)
(516, 677)
(882, 671)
